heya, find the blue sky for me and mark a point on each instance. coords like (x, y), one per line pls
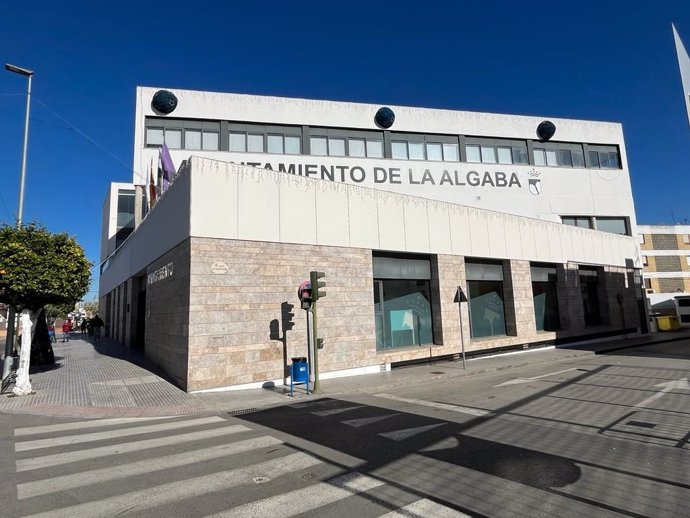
(607, 60)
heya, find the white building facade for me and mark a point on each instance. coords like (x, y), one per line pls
(402, 208)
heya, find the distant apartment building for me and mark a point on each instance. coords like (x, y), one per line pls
(666, 262)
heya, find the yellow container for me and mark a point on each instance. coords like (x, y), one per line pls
(667, 323)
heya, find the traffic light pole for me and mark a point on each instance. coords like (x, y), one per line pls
(315, 342)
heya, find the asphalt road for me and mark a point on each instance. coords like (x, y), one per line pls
(607, 435)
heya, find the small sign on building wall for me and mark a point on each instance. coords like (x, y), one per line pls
(220, 267)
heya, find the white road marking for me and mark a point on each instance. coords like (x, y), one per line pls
(401, 435)
(444, 406)
(114, 434)
(423, 508)
(136, 502)
(304, 500)
(77, 480)
(366, 421)
(668, 386)
(518, 381)
(81, 425)
(116, 449)
(324, 413)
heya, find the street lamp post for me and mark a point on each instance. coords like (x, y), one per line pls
(7, 364)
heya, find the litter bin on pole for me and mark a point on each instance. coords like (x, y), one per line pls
(299, 373)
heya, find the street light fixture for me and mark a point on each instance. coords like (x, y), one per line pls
(7, 364)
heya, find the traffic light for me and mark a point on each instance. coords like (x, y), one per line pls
(316, 285)
(287, 316)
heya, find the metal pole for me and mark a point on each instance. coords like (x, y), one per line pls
(7, 364)
(315, 342)
(22, 178)
(462, 338)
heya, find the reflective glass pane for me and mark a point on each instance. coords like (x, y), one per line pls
(255, 143)
(451, 152)
(568, 221)
(578, 159)
(192, 139)
(520, 155)
(319, 145)
(593, 159)
(406, 313)
(399, 150)
(434, 152)
(551, 158)
(416, 150)
(487, 314)
(293, 145)
(613, 160)
(565, 158)
(545, 298)
(488, 155)
(173, 138)
(238, 142)
(210, 142)
(613, 225)
(539, 157)
(336, 146)
(583, 222)
(357, 147)
(505, 155)
(154, 137)
(604, 160)
(473, 155)
(275, 144)
(374, 149)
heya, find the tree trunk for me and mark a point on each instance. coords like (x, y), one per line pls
(41, 346)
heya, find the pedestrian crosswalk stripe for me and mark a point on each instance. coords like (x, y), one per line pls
(425, 507)
(66, 482)
(134, 503)
(81, 425)
(325, 413)
(117, 449)
(401, 435)
(365, 421)
(125, 432)
(434, 404)
(305, 499)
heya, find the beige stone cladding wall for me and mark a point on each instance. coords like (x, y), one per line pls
(238, 292)
(167, 314)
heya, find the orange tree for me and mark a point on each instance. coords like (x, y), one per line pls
(39, 268)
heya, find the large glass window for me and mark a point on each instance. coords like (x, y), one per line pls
(125, 215)
(192, 139)
(545, 298)
(402, 302)
(399, 150)
(577, 221)
(473, 154)
(485, 295)
(319, 146)
(238, 142)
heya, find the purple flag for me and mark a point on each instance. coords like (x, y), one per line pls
(166, 169)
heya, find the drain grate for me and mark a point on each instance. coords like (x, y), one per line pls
(243, 411)
(437, 372)
(640, 424)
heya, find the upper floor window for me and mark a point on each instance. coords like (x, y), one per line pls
(614, 225)
(259, 138)
(603, 157)
(495, 151)
(558, 155)
(334, 142)
(577, 221)
(433, 148)
(181, 134)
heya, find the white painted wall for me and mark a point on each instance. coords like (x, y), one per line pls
(165, 226)
(564, 191)
(230, 201)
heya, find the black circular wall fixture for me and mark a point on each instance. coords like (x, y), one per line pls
(384, 117)
(164, 102)
(546, 130)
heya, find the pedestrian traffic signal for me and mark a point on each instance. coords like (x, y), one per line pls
(316, 285)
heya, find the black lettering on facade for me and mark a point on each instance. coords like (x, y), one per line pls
(359, 171)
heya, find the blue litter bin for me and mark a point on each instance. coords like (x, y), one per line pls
(299, 373)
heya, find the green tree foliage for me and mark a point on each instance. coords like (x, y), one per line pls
(58, 311)
(37, 268)
(91, 307)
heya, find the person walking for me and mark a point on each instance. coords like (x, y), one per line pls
(82, 327)
(66, 328)
(96, 324)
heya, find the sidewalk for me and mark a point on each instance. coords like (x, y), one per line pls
(104, 379)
